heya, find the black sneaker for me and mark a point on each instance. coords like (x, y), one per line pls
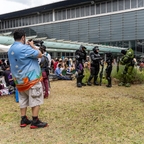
(109, 86)
(83, 84)
(38, 124)
(24, 122)
(79, 85)
(89, 83)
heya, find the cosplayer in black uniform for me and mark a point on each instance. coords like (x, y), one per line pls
(108, 70)
(95, 65)
(80, 58)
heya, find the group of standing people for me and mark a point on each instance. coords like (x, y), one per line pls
(97, 61)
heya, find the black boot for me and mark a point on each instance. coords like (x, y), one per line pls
(89, 80)
(79, 82)
(95, 81)
(109, 83)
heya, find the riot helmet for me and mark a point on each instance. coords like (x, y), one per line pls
(96, 49)
(82, 48)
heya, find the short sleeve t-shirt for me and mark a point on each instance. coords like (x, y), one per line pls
(24, 65)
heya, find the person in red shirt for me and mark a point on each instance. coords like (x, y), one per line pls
(56, 63)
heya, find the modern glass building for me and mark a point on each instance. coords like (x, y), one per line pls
(109, 22)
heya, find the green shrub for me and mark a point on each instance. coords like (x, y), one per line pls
(87, 74)
(137, 75)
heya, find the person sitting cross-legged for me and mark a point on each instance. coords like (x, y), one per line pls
(60, 76)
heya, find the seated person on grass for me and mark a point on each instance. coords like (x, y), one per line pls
(8, 76)
(60, 76)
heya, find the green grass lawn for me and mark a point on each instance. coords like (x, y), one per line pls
(88, 115)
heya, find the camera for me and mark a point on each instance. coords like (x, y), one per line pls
(37, 42)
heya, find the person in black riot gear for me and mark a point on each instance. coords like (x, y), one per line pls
(80, 58)
(108, 70)
(95, 65)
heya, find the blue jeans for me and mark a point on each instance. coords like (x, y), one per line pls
(64, 78)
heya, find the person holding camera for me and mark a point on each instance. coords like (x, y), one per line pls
(27, 76)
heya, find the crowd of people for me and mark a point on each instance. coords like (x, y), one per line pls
(7, 85)
(29, 65)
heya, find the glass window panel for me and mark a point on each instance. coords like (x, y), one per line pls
(82, 11)
(139, 45)
(47, 16)
(44, 17)
(67, 54)
(125, 44)
(121, 5)
(16, 21)
(97, 8)
(68, 13)
(59, 15)
(140, 3)
(71, 54)
(92, 9)
(50, 16)
(13, 23)
(10, 24)
(109, 6)
(32, 20)
(24, 21)
(127, 4)
(87, 10)
(73, 13)
(40, 18)
(77, 12)
(103, 7)
(133, 4)
(2, 26)
(5, 24)
(19, 21)
(36, 19)
(63, 14)
(56, 16)
(114, 5)
(29, 20)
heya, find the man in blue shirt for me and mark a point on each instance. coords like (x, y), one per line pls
(27, 76)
